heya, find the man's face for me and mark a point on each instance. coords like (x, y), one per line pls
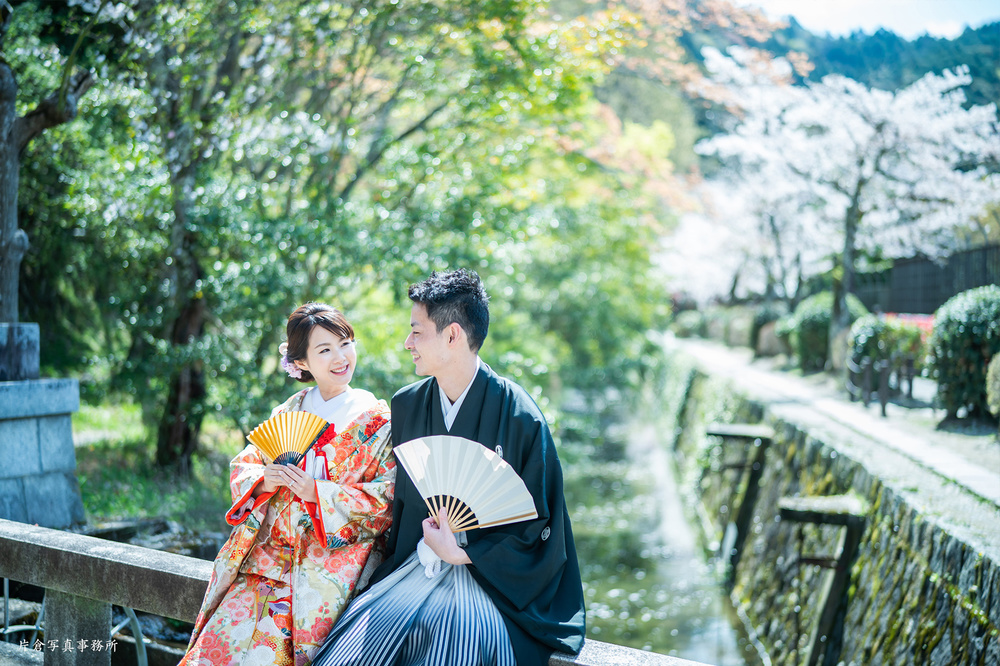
(429, 348)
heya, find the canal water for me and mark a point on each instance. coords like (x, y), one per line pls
(647, 581)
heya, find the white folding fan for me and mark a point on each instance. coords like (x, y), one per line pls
(285, 437)
(474, 484)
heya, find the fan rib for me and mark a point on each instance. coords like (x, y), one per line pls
(285, 437)
(474, 485)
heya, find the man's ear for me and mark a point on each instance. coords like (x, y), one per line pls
(455, 333)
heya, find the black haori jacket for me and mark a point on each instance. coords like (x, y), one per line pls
(529, 569)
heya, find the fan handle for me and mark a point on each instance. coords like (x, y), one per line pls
(461, 518)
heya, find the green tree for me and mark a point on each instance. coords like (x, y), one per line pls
(55, 106)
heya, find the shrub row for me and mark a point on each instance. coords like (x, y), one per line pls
(880, 338)
(966, 337)
(807, 329)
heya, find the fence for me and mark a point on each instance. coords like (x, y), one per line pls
(921, 285)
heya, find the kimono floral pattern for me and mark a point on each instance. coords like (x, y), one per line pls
(289, 567)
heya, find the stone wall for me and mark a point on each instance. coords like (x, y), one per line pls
(38, 470)
(925, 586)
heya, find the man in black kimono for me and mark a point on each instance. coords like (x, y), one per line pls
(529, 569)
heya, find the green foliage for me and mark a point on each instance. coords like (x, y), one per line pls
(385, 144)
(993, 386)
(764, 314)
(880, 338)
(689, 324)
(887, 61)
(966, 337)
(808, 328)
(119, 481)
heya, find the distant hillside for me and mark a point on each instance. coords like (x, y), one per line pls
(886, 60)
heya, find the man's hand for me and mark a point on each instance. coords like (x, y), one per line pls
(438, 535)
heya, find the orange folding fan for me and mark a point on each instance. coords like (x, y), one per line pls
(475, 485)
(284, 438)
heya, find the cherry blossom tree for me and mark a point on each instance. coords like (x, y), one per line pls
(851, 169)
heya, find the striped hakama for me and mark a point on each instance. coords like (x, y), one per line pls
(408, 619)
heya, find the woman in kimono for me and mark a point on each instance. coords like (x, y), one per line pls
(303, 536)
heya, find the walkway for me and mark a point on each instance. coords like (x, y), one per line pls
(955, 475)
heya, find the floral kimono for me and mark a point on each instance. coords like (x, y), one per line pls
(289, 566)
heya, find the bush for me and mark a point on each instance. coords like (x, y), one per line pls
(809, 328)
(762, 316)
(965, 338)
(689, 324)
(879, 338)
(993, 386)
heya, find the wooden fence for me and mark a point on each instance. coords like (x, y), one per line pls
(921, 286)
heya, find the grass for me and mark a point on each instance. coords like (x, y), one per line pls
(119, 481)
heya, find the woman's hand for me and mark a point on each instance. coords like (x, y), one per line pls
(291, 477)
(440, 538)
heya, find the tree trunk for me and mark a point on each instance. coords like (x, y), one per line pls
(13, 241)
(180, 424)
(15, 134)
(840, 318)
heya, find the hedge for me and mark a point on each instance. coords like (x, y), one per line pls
(965, 338)
(808, 328)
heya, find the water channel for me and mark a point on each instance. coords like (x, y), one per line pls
(647, 581)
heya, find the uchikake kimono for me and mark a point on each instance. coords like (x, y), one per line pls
(289, 567)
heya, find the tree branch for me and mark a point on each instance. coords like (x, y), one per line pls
(71, 61)
(374, 158)
(6, 11)
(50, 112)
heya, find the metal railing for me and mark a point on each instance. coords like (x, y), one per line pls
(130, 619)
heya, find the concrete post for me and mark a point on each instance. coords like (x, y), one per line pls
(80, 625)
(38, 478)
(18, 352)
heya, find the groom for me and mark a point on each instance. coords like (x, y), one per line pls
(528, 570)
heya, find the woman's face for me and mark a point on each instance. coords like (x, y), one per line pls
(331, 360)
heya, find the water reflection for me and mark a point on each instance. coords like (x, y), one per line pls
(646, 582)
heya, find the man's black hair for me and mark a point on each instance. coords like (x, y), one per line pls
(459, 298)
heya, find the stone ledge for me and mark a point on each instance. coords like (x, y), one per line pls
(12, 653)
(38, 397)
(140, 578)
(173, 585)
(596, 653)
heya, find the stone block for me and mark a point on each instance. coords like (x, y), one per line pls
(12, 506)
(992, 652)
(768, 342)
(19, 448)
(18, 352)
(12, 654)
(70, 619)
(38, 397)
(55, 443)
(990, 592)
(53, 500)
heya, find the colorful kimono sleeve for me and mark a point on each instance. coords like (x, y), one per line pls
(358, 505)
(245, 472)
